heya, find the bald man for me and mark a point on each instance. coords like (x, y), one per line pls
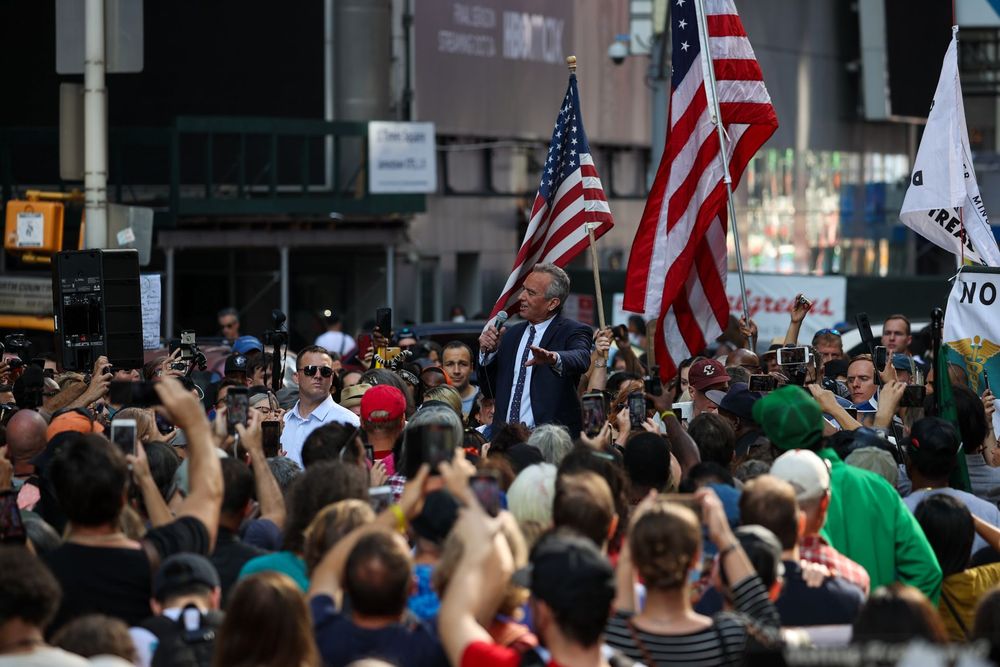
(745, 359)
(25, 440)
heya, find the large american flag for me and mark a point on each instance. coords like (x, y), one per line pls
(569, 196)
(677, 266)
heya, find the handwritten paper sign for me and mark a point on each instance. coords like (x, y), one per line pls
(149, 286)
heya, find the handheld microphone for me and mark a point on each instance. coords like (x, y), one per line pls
(501, 318)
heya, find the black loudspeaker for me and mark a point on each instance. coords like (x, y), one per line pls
(97, 309)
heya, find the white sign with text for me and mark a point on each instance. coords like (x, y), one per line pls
(769, 299)
(401, 158)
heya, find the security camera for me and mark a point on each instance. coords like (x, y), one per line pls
(618, 52)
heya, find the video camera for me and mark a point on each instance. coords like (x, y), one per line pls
(277, 337)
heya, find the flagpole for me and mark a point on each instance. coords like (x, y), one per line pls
(571, 64)
(707, 64)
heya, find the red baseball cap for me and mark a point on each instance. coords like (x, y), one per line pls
(707, 373)
(382, 403)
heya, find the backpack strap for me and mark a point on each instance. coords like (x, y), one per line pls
(647, 657)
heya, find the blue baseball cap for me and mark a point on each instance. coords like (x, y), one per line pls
(245, 344)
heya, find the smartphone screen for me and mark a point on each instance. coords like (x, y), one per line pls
(788, 356)
(880, 358)
(237, 407)
(594, 413)
(636, 409)
(11, 524)
(383, 320)
(486, 487)
(271, 438)
(123, 434)
(137, 394)
(380, 497)
(762, 383)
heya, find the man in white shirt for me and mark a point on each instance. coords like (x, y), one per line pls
(457, 363)
(334, 339)
(315, 406)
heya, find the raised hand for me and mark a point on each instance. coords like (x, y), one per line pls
(541, 357)
(800, 308)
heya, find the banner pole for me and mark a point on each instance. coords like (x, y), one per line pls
(708, 66)
(571, 64)
(597, 275)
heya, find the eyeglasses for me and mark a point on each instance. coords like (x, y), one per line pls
(824, 332)
(310, 371)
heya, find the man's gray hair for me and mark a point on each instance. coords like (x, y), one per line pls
(559, 287)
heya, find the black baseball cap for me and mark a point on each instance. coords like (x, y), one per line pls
(567, 571)
(236, 363)
(181, 571)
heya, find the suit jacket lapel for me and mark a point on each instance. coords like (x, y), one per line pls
(553, 327)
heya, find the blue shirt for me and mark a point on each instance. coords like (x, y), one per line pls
(297, 428)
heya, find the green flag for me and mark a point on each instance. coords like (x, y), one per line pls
(946, 410)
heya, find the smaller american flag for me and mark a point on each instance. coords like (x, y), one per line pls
(570, 195)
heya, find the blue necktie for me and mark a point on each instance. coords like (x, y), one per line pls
(515, 404)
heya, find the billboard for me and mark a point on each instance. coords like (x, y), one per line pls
(491, 67)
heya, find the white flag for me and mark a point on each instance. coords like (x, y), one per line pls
(943, 178)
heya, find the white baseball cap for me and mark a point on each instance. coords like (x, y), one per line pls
(804, 470)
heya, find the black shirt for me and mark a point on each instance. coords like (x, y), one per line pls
(834, 602)
(229, 557)
(115, 581)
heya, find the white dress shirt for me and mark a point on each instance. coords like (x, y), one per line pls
(527, 417)
(297, 428)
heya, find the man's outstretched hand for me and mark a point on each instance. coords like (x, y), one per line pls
(541, 357)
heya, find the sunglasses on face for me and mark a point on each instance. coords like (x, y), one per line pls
(324, 371)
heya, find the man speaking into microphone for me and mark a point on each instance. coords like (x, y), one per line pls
(535, 367)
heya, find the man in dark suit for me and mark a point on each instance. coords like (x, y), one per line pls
(534, 368)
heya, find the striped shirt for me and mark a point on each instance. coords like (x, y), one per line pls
(723, 643)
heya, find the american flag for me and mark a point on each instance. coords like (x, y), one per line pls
(677, 266)
(570, 195)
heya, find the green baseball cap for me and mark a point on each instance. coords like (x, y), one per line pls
(790, 417)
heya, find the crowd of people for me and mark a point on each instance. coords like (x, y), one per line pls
(533, 497)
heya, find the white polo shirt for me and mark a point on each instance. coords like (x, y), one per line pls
(297, 428)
